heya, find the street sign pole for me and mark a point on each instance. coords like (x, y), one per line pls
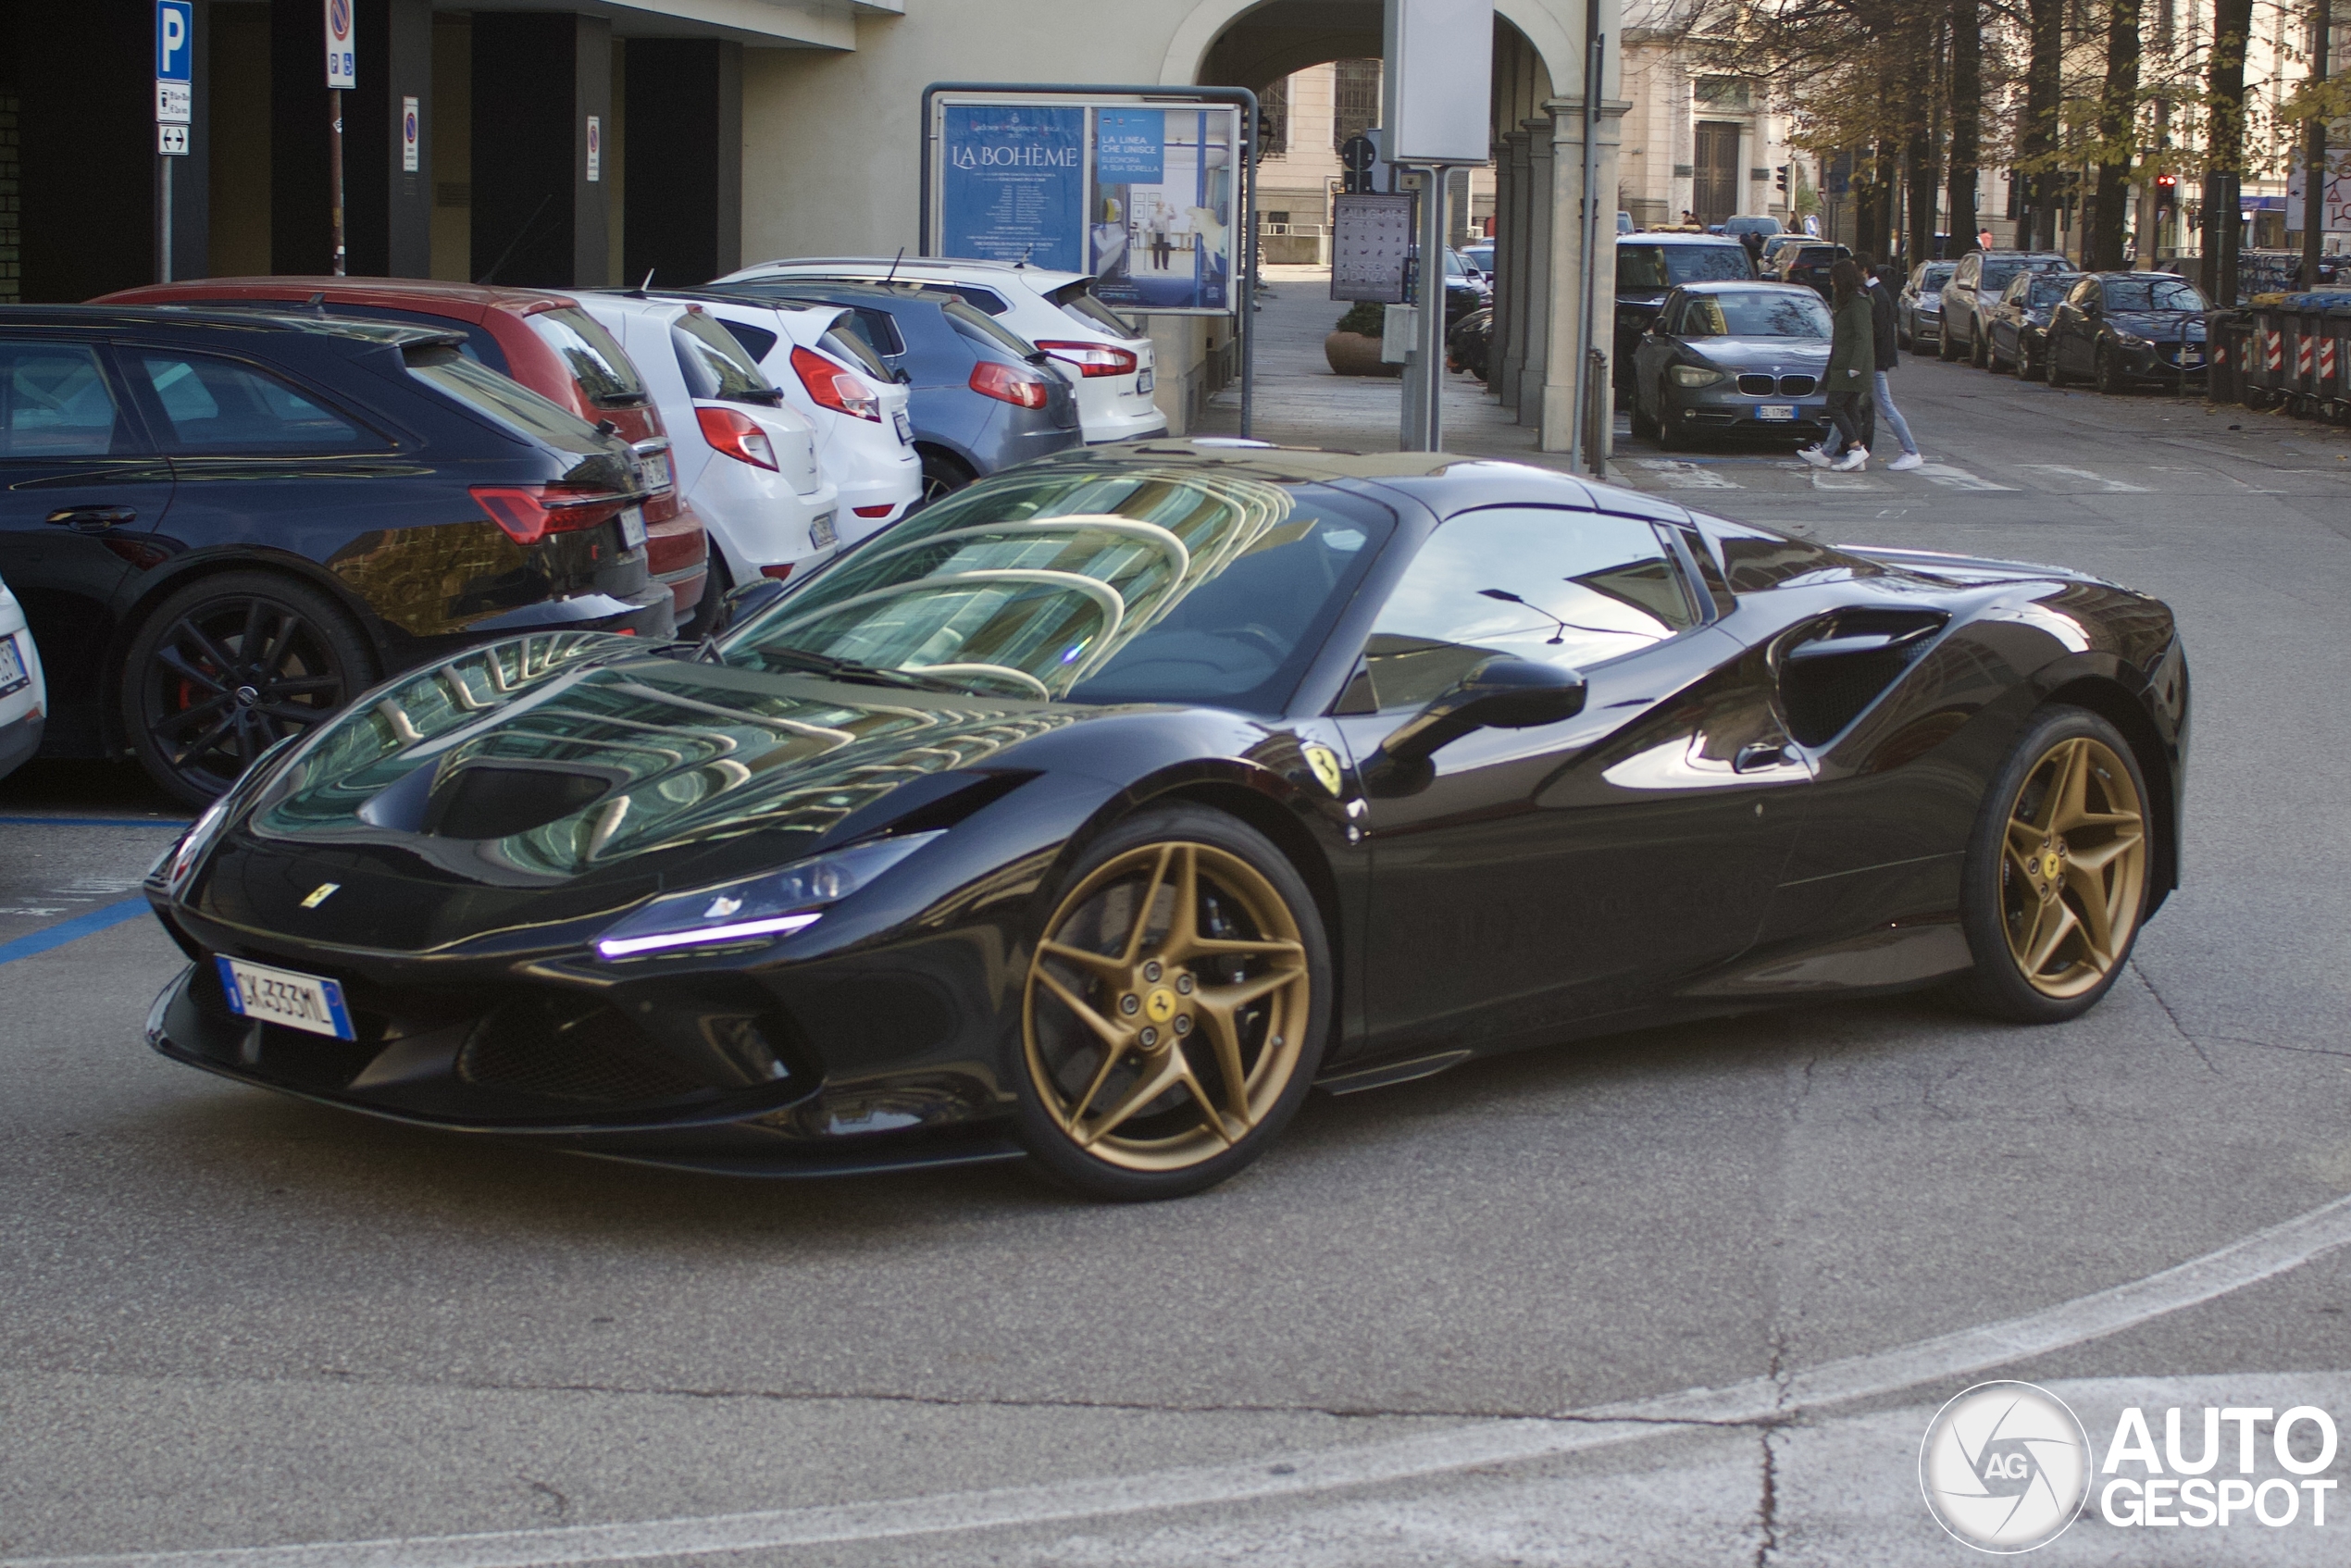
(342, 73)
(1424, 419)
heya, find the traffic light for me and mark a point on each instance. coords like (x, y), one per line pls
(1782, 178)
(2167, 186)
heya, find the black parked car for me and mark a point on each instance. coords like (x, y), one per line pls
(1808, 265)
(2015, 333)
(223, 526)
(2120, 329)
(981, 398)
(1649, 268)
(1100, 809)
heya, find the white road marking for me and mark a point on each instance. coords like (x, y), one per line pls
(2247, 1261)
(1684, 476)
(2096, 478)
(1950, 478)
(1823, 479)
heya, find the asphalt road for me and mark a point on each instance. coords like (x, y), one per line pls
(1441, 1323)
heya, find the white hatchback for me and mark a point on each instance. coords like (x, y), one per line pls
(745, 461)
(1109, 362)
(24, 697)
(864, 437)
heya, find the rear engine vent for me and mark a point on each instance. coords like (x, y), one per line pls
(581, 1053)
(1835, 669)
(485, 801)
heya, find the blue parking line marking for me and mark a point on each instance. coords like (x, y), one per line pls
(177, 825)
(71, 931)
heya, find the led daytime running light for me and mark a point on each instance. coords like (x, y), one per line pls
(781, 925)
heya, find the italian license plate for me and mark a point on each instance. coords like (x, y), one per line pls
(1775, 411)
(1146, 380)
(632, 528)
(12, 675)
(309, 1003)
(2190, 356)
(821, 532)
(905, 427)
(658, 473)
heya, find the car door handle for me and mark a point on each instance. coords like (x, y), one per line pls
(94, 519)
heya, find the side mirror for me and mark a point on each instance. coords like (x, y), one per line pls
(1502, 692)
(744, 601)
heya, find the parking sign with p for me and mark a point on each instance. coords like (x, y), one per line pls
(175, 55)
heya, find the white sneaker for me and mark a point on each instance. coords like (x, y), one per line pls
(1907, 461)
(1855, 459)
(1814, 456)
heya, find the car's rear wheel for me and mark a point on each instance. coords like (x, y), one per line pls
(2055, 883)
(1979, 352)
(226, 667)
(2027, 367)
(1174, 1008)
(1945, 348)
(943, 475)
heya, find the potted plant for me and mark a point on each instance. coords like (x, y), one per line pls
(1353, 350)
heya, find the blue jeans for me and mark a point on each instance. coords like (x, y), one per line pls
(1881, 396)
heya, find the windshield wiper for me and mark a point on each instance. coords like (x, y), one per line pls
(850, 670)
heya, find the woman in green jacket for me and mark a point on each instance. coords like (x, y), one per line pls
(1852, 360)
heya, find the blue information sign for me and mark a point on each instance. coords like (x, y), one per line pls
(175, 40)
(1013, 185)
(1130, 147)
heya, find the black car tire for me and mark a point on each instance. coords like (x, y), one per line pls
(2037, 814)
(189, 664)
(2026, 369)
(2102, 375)
(1643, 425)
(1979, 350)
(1155, 1015)
(2051, 373)
(1669, 438)
(943, 475)
(1944, 349)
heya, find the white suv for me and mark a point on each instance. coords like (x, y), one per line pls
(1104, 358)
(23, 696)
(745, 461)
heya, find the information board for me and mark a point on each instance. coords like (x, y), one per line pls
(1144, 196)
(1371, 247)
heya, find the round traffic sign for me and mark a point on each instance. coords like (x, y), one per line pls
(1358, 154)
(339, 20)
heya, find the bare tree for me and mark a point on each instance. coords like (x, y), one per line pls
(2224, 147)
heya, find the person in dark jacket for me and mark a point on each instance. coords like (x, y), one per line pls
(1888, 355)
(1852, 363)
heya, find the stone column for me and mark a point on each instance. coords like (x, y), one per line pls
(1560, 366)
(1541, 273)
(1510, 208)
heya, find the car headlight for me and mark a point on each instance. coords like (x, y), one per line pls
(1931, 299)
(1695, 375)
(761, 908)
(2131, 339)
(187, 852)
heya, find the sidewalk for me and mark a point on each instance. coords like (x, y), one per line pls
(1300, 403)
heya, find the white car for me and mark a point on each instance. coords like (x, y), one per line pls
(1105, 360)
(743, 460)
(24, 696)
(864, 438)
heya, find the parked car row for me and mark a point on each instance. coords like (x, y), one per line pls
(232, 504)
(2031, 313)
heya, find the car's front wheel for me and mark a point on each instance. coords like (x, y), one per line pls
(2055, 882)
(1174, 1008)
(1979, 352)
(2028, 369)
(228, 666)
(2103, 373)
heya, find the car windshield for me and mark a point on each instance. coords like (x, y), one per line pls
(1142, 584)
(1997, 273)
(2046, 288)
(2151, 293)
(1755, 313)
(716, 365)
(595, 361)
(1663, 267)
(1937, 276)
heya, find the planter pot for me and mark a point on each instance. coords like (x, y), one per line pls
(1354, 354)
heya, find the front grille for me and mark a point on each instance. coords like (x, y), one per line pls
(1755, 386)
(578, 1051)
(1797, 386)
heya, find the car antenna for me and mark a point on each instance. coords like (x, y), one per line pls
(316, 303)
(892, 276)
(640, 290)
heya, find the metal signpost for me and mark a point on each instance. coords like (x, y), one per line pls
(1439, 90)
(342, 73)
(1141, 187)
(175, 108)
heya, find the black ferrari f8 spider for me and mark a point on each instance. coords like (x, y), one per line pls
(1102, 810)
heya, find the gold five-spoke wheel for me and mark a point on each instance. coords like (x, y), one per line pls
(1168, 1006)
(2073, 874)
